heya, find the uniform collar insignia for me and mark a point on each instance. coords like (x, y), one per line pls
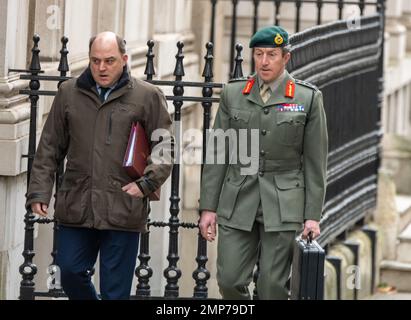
(249, 85)
(290, 89)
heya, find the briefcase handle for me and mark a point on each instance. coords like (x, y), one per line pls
(310, 237)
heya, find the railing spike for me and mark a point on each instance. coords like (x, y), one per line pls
(277, 12)
(238, 69)
(150, 72)
(340, 9)
(319, 8)
(64, 66)
(208, 67)
(35, 58)
(179, 69)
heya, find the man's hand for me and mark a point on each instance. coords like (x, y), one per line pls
(313, 227)
(133, 190)
(207, 225)
(39, 208)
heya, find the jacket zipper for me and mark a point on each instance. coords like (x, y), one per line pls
(110, 124)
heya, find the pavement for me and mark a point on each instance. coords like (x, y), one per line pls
(390, 296)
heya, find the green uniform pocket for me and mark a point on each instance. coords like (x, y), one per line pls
(290, 127)
(229, 193)
(291, 196)
(239, 118)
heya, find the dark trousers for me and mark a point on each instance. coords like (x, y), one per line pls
(77, 254)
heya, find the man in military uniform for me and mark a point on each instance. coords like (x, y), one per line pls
(267, 207)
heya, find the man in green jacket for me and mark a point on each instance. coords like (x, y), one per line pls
(261, 203)
(99, 208)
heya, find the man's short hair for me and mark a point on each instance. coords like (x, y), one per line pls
(121, 43)
(286, 49)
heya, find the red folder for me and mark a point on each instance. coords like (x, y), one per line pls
(135, 158)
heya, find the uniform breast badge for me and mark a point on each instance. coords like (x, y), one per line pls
(290, 107)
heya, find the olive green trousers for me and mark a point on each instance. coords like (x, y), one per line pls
(237, 257)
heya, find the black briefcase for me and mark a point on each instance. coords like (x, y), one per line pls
(307, 277)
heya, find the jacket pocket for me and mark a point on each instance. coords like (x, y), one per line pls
(119, 120)
(109, 127)
(229, 194)
(72, 201)
(291, 196)
(124, 210)
(290, 127)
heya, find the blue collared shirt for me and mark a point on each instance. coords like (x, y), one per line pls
(108, 91)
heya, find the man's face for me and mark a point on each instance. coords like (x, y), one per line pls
(106, 62)
(270, 63)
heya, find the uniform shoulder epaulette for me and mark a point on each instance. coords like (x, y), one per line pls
(306, 84)
(237, 79)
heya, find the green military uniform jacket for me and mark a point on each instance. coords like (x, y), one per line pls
(290, 180)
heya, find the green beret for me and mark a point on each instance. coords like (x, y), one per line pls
(269, 37)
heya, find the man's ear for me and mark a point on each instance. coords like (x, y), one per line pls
(287, 57)
(125, 59)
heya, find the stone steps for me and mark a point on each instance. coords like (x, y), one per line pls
(404, 245)
(390, 296)
(403, 252)
(395, 273)
(403, 204)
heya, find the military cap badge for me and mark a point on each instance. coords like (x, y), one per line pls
(278, 39)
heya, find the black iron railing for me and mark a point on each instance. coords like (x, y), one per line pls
(347, 65)
(278, 8)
